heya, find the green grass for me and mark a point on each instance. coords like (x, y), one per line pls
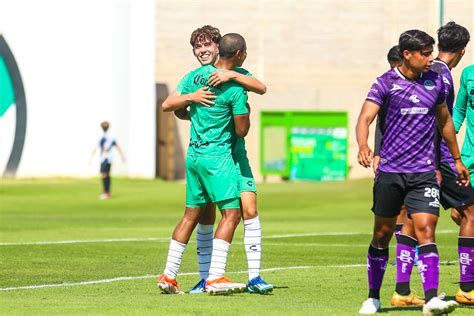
(333, 282)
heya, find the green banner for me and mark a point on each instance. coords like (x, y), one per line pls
(318, 153)
(7, 94)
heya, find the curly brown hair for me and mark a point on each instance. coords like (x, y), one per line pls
(206, 32)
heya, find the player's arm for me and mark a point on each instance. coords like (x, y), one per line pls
(92, 156)
(459, 110)
(177, 101)
(242, 124)
(248, 82)
(446, 127)
(377, 144)
(366, 117)
(120, 151)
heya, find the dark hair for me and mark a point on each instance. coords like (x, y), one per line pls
(230, 44)
(452, 37)
(414, 40)
(105, 125)
(394, 54)
(206, 32)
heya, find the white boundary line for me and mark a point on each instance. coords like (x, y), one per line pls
(148, 276)
(166, 239)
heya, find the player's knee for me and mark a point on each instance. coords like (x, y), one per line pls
(249, 212)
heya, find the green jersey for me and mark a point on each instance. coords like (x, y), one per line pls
(464, 108)
(239, 146)
(212, 128)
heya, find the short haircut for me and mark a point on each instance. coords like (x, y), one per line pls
(394, 54)
(414, 40)
(206, 32)
(105, 125)
(452, 37)
(230, 44)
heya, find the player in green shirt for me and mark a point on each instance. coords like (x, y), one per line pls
(210, 169)
(204, 41)
(464, 108)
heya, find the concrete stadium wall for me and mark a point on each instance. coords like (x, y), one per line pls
(313, 55)
(82, 62)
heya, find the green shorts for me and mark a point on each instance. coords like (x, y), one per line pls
(468, 161)
(246, 180)
(211, 179)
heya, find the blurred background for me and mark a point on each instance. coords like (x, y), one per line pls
(67, 65)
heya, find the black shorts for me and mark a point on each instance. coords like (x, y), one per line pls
(418, 191)
(105, 167)
(452, 194)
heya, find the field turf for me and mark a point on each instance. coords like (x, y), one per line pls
(63, 251)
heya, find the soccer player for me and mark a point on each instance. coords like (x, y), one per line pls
(210, 169)
(452, 41)
(412, 100)
(204, 41)
(394, 60)
(463, 109)
(105, 146)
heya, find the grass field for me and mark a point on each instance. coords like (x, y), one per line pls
(104, 255)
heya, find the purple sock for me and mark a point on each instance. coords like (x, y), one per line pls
(377, 259)
(466, 261)
(428, 267)
(405, 260)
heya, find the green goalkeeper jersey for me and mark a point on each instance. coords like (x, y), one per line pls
(212, 128)
(464, 109)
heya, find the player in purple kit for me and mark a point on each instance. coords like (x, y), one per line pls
(452, 41)
(411, 99)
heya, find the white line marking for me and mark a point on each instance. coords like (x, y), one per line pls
(149, 276)
(166, 239)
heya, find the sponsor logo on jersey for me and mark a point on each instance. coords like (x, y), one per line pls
(414, 98)
(411, 111)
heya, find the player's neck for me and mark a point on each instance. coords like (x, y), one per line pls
(408, 72)
(450, 59)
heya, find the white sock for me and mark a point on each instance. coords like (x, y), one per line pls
(204, 237)
(219, 259)
(253, 245)
(175, 254)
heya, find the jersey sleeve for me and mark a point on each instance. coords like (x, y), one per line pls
(239, 101)
(442, 92)
(459, 110)
(377, 92)
(182, 86)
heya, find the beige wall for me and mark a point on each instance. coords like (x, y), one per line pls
(313, 55)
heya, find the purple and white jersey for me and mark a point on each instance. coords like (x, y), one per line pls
(441, 68)
(408, 117)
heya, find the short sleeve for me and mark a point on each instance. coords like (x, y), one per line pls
(182, 86)
(377, 92)
(442, 92)
(239, 101)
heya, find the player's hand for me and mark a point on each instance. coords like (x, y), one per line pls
(439, 177)
(220, 77)
(365, 156)
(375, 164)
(463, 174)
(204, 96)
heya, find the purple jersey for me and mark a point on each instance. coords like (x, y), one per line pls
(408, 117)
(440, 67)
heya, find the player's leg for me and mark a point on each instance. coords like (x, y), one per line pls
(106, 182)
(422, 203)
(388, 194)
(461, 201)
(406, 247)
(217, 283)
(204, 239)
(252, 227)
(401, 218)
(465, 294)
